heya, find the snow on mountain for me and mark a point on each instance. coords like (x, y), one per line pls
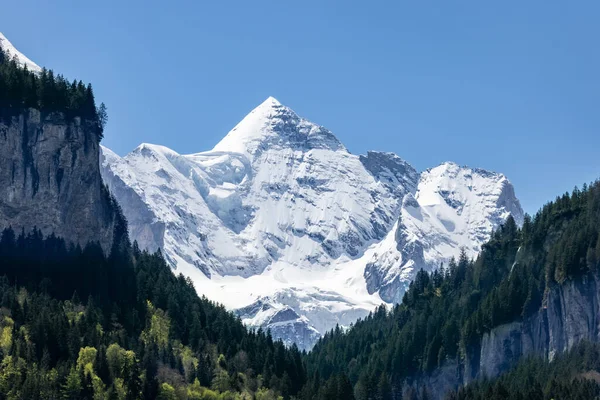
(277, 188)
(453, 208)
(282, 223)
(300, 315)
(7, 46)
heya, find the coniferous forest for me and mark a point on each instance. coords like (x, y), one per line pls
(20, 89)
(76, 323)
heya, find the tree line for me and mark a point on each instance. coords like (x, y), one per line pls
(21, 89)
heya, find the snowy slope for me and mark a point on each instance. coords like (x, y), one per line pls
(282, 223)
(453, 208)
(277, 188)
(7, 46)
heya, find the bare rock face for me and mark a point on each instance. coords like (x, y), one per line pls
(50, 178)
(571, 314)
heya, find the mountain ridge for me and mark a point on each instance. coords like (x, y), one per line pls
(280, 210)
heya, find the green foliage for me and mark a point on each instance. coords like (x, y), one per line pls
(166, 392)
(221, 381)
(102, 115)
(6, 334)
(444, 314)
(72, 387)
(142, 333)
(158, 326)
(86, 359)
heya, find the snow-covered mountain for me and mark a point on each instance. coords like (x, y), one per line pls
(7, 47)
(453, 207)
(280, 222)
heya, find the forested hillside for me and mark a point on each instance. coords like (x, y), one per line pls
(445, 314)
(78, 325)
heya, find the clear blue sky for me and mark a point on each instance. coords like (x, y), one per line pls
(511, 86)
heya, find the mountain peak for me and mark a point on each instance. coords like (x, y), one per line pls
(268, 109)
(270, 102)
(273, 124)
(22, 60)
(458, 186)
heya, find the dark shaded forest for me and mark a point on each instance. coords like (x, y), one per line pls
(78, 325)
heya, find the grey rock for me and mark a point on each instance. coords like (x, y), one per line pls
(392, 171)
(570, 314)
(50, 178)
(284, 324)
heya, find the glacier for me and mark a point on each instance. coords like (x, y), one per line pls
(281, 223)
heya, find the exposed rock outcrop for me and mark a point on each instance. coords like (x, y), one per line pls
(50, 177)
(570, 314)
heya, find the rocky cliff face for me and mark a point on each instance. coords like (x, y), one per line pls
(50, 178)
(570, 314)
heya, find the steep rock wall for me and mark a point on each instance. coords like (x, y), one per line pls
(571, 313)
(50, 177)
